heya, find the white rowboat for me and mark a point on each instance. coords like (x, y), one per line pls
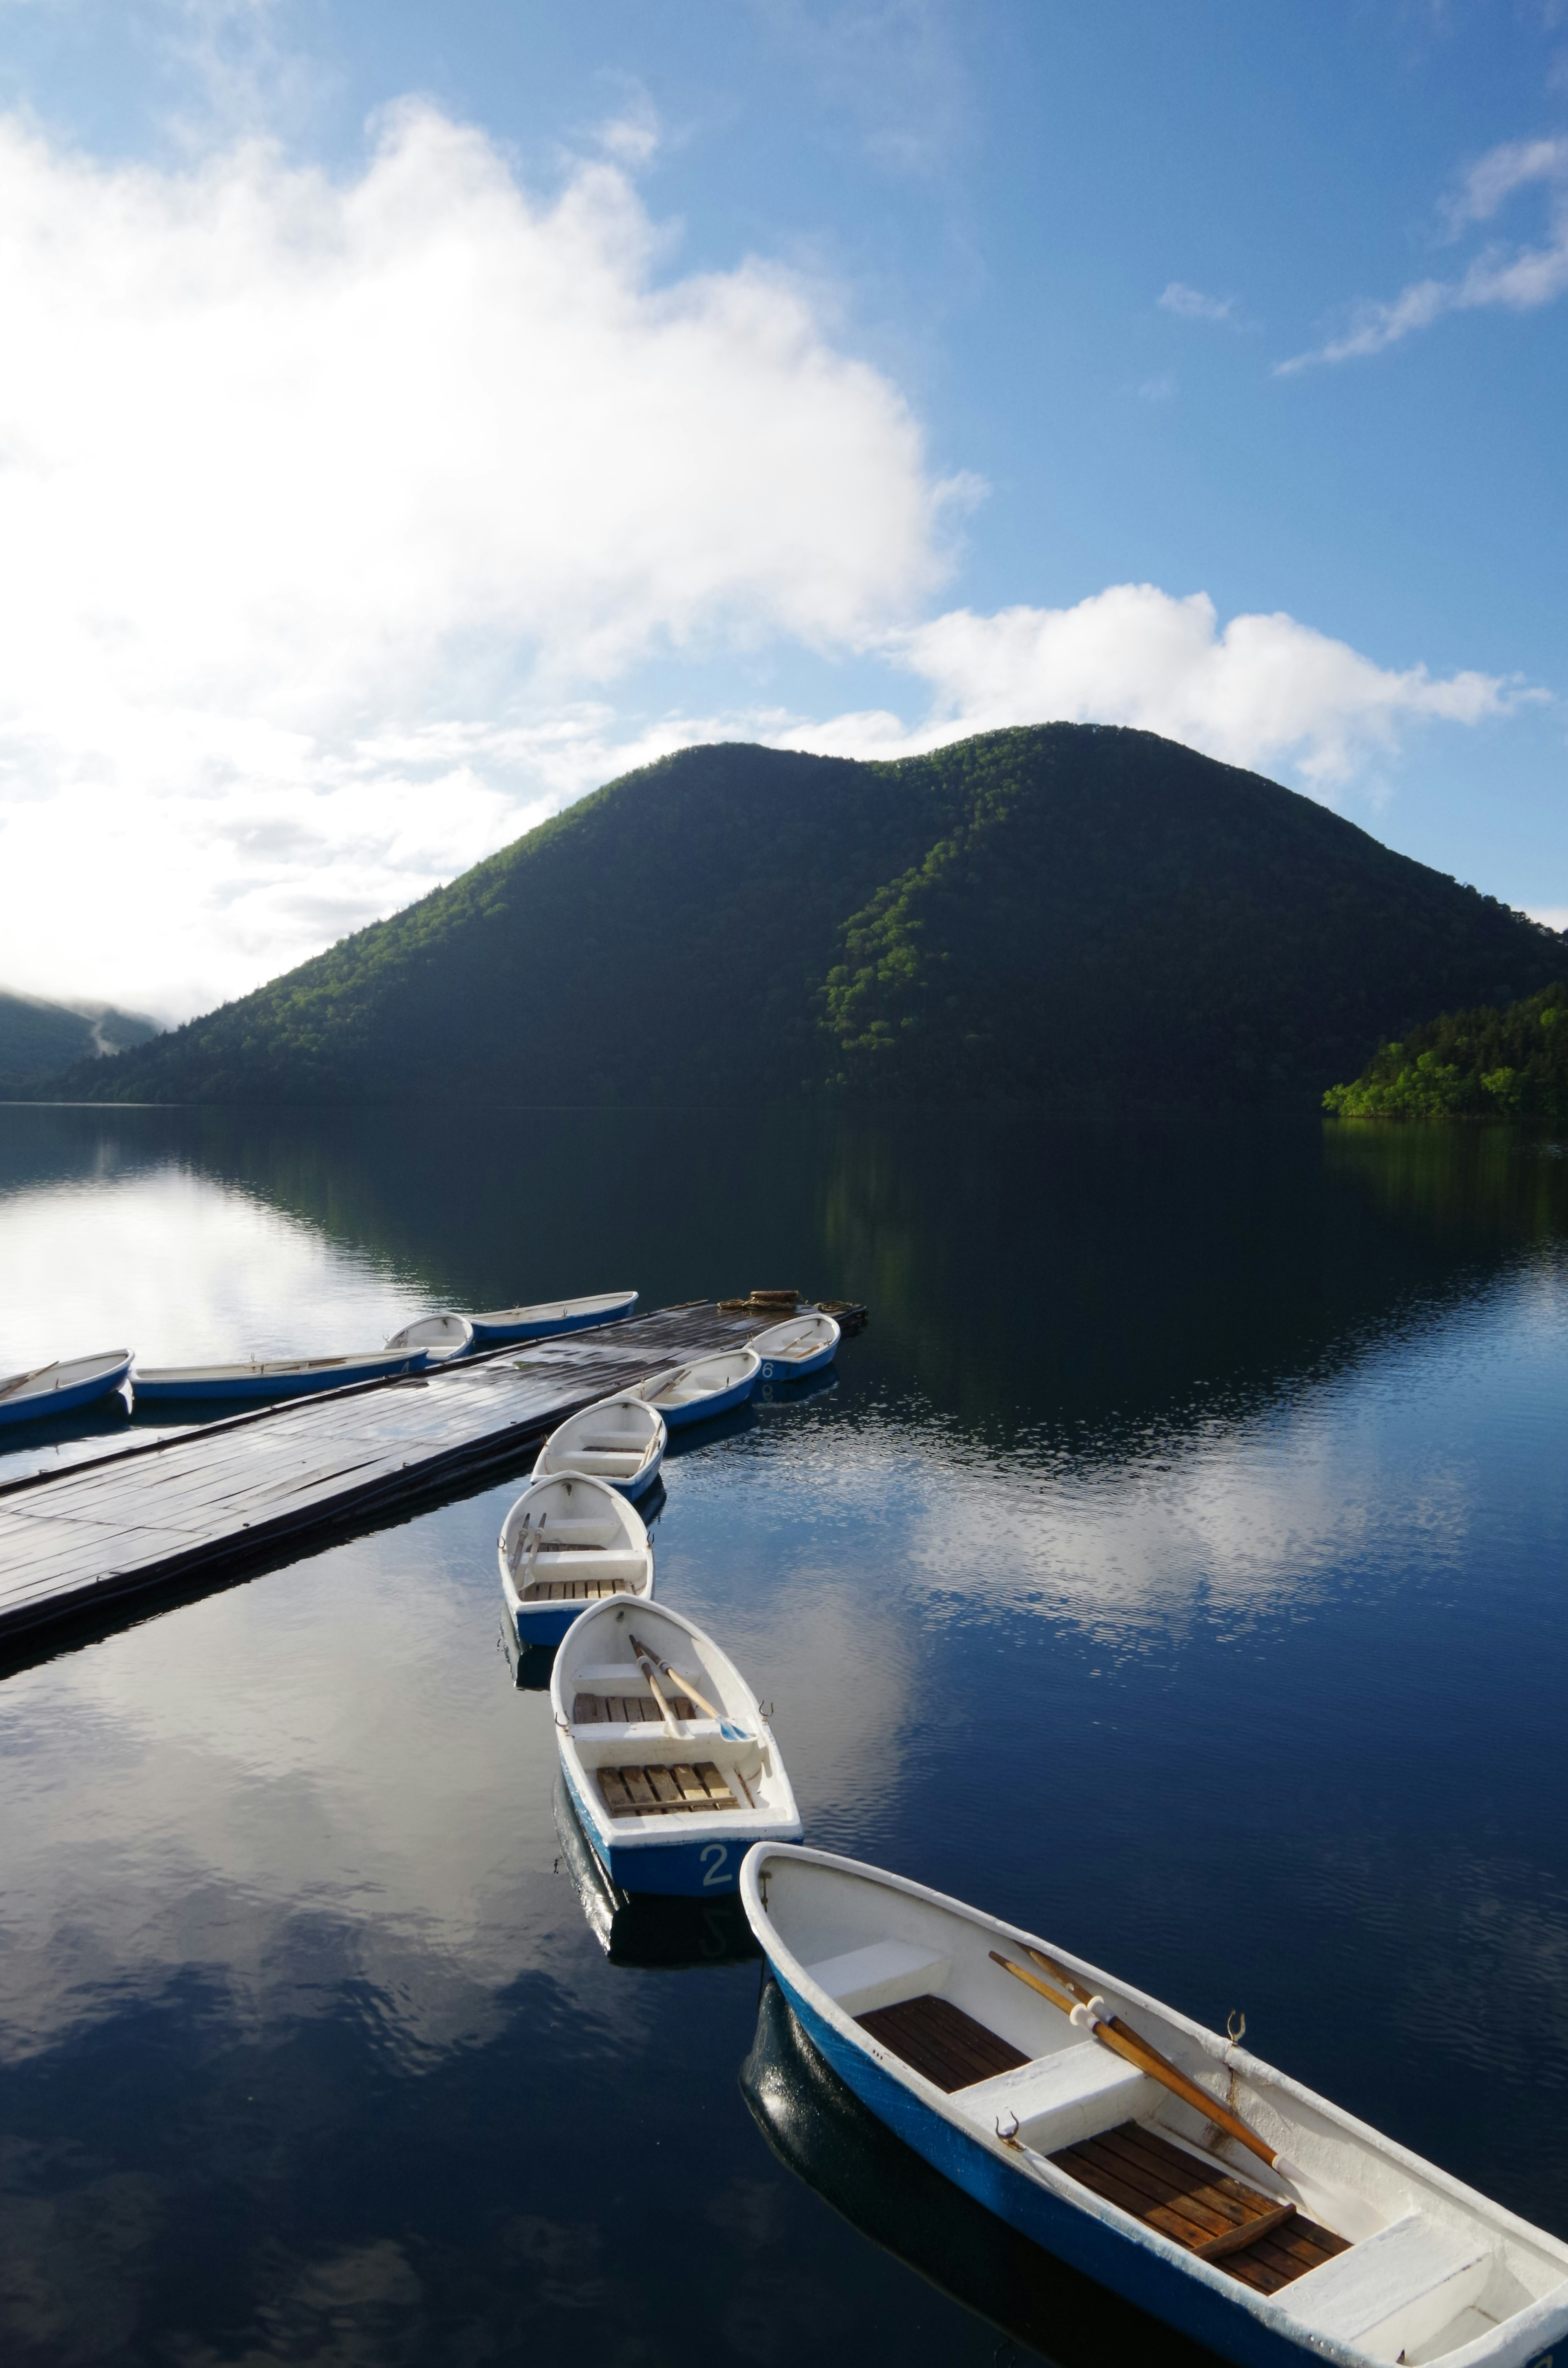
(619, 1440)
(672, 1768)
(551, 1317)
(569, 1542)
(802, 1345)
(709, 1385)
(53, 1389)
(441, 1337)
(278, 1377)
(1340, 2248)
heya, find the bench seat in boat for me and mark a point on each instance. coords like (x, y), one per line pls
(884, 1973)
(1062, 2098)
(1403, 2285)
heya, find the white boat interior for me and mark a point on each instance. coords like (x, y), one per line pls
(36, 1389)
(619, 1440)
(1348, 2238)
(441, 1337)
(572, 1539)
(706, 1377)
(639, 1762)
(798, 1338)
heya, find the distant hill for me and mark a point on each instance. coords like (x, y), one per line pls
(1485, 1064)
(37, 1038)
(1089, 918)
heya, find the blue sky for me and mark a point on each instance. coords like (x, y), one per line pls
(415, 414)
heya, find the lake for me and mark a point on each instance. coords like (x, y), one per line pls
(1175, 1566)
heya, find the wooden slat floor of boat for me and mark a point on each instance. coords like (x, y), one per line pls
(937, 2039)
(655, 1790)
(201, 1502)
(575, 1590)
(1199, 2205)
(626, 1710)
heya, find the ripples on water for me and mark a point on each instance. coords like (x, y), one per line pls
(1176, 1567)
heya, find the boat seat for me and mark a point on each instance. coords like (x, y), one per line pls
(885, 1974)
(1060, 2099)
(1393, 2292)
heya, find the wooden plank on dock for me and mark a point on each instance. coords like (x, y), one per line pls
(204, 1503)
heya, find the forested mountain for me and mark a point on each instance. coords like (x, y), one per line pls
(1085, 916)
(1484, 1064)
(36, 1038)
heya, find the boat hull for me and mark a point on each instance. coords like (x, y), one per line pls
(23, 1409)
(681, 1417)
(546, 1328)
(279, 1385)
(1139, 2276)
(703, 1868)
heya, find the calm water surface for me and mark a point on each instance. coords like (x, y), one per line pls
(1175, 1566)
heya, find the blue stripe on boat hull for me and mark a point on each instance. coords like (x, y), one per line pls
(1074, 2236)
(549, 1327)
(694, 1870)
(293, 1385)
(791, 1369)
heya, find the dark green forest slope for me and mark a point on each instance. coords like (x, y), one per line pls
(1080, 916)
(1484, 1064)
(36, 1038)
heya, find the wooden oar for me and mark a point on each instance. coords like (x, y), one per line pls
(1112, 2032)
(22, 1379)
(665, 1712)
(727, 1728)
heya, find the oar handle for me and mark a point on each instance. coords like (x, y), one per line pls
(646, 1666)
(1113, 2032)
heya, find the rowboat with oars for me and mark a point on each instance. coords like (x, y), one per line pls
(569, 1542)
(805, 1344)
(621, 1440)
(55, 1389)
(1157, 2157)
(551, 1315)
(670, 1763)
(442, 1338)
(274, 1377)
(709, 1385)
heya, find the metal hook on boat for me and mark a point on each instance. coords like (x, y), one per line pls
(1235, 2026)
(1007, 2128)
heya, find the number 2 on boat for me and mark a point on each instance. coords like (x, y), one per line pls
(715, 1856)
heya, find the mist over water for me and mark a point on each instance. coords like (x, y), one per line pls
(1175, 1566)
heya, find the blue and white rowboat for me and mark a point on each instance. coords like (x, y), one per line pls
(55, 1389)
(801, 1345)
(277, 1377)
(570, 1541)
(551, 1317)
(619, 1440)
(442, 1338)
(1341, 2249)
(670, 1766)
(710, 1385)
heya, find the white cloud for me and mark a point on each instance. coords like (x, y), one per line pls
(1262, 690)
(1191, 304)
(295, 471)
(1520, 278)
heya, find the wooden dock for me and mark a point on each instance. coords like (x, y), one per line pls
(209, 1504)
